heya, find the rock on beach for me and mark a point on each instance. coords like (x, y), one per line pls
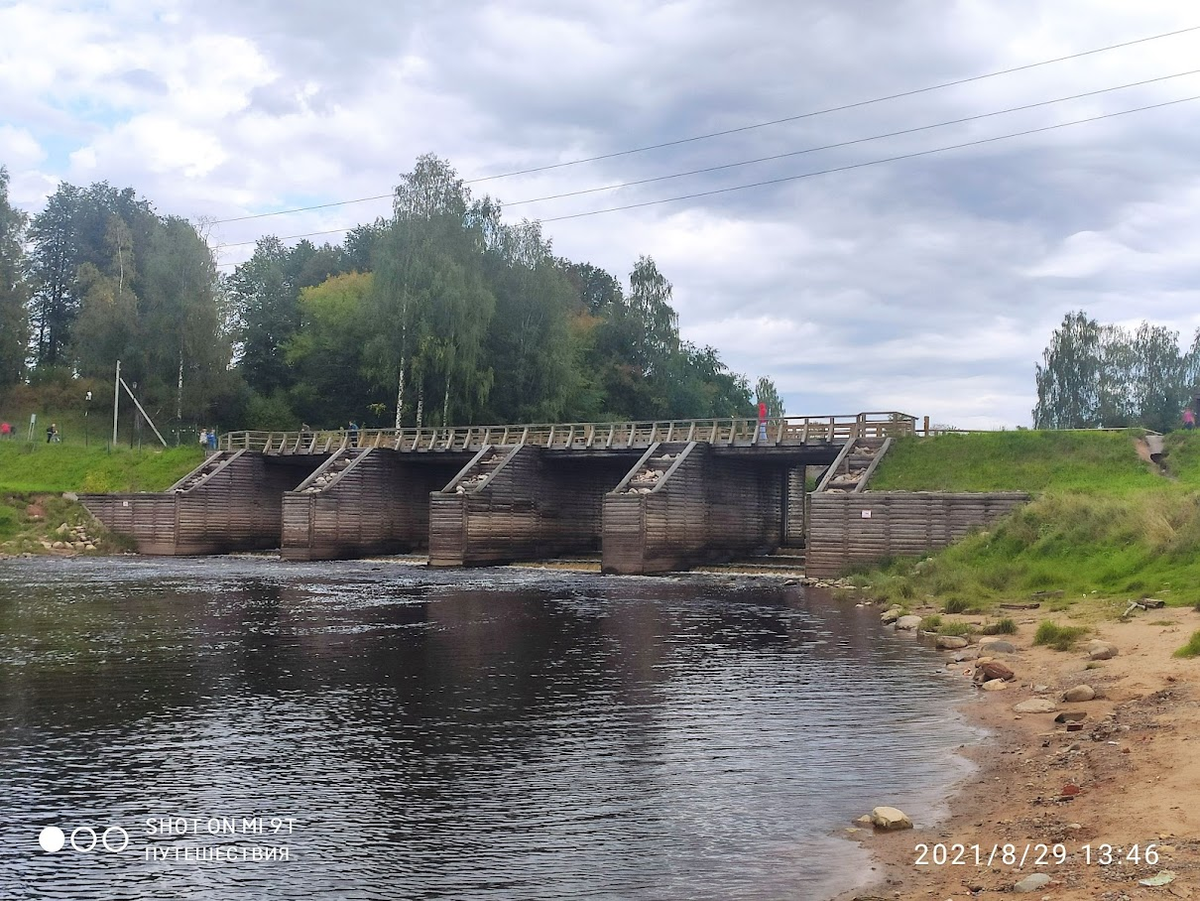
(1032, 883)
(889, 819)
(1035, 705)
(1101, 650)
(950, 642)
(1079, 693)
(987, 670)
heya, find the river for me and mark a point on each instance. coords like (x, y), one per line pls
(239, 727)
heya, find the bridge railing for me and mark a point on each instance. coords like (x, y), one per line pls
(734, 432)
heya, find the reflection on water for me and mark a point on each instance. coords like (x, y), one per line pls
(402, 733)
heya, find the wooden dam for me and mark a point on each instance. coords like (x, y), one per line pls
(650, 497)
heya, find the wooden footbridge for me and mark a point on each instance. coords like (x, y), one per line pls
(649, 496)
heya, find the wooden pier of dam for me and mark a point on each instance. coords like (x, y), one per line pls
(650, 497)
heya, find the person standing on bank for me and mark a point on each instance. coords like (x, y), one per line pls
(1189, 418)
(353, 431)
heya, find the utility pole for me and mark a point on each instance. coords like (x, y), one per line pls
(116, 401)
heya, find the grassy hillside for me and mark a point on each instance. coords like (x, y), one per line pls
(55, 468)
(1016, 461)
(1102, 524)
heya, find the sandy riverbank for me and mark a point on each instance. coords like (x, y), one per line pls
(1124, 788)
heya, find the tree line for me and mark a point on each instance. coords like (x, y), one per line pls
(1096, 375)
(442, 313)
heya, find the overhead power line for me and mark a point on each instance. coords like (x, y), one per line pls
(863, 165)
(891, 134)
(743, 128)
(804, 175)
(847, 106)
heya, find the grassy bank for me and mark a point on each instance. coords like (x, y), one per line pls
(1103, 524)
(33, 478)
(55, 468)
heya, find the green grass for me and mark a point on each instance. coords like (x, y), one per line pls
(1192, 648)
(1102, 525)
(10, 523)
(1032, 461)
(55, 468)
(960, 629)
(1006, 626)
(1061, 638)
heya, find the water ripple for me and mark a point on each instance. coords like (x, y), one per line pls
(406, 733)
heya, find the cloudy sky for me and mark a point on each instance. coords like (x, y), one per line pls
(929, 284)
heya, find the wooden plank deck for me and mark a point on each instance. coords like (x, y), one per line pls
(788, 431)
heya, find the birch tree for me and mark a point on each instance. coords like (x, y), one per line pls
(14, 320)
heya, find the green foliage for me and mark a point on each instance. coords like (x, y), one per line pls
(442, 313)
(112, 280)
(14, 318)
(956, 605)
(55, 468)
(325, 354)
(1104, 375)
(1028, 460)
(1005, 626)
(960, 629)
(272, 412)
(1061, 638)
(10, 523)
(1192, 648)
(931, 623)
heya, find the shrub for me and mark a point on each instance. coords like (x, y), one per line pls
(962, 629)
(957, 605)
(1006, 626)
(1061, 638)
(931, 623)
(10, 523)
(1192, 648)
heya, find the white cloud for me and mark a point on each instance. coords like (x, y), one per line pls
(19, 148)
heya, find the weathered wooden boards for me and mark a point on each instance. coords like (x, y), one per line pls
(231, 506)
(795, 522)
(702, 508)
(520, 503)
(855, 528)
(377, 502)
(149, 519)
